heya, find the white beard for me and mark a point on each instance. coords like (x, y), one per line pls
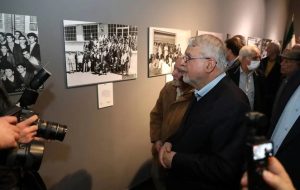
(186, 79)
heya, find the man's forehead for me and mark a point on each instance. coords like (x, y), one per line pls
(192, 49)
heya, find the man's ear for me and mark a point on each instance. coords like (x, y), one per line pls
(210, 65)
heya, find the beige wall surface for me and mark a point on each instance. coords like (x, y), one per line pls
(109, 148)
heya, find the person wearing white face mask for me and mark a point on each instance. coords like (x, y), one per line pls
(249, 78)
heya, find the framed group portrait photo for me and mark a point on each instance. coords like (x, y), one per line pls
(99, 53)
(20, 57)
(165, 45)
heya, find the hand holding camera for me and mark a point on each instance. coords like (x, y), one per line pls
(259, 149)
(28, 129)
(20, 133)
(13, 133)
(275, 176)
(9, 133)
(28, 153)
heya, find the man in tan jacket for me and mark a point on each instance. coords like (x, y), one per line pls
(166, 117)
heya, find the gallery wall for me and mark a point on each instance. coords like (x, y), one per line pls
(276, 15)
(294, 7)
(109, 148)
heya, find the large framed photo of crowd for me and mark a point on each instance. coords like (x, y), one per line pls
(165, 45)
(20, 56)
(99, 53)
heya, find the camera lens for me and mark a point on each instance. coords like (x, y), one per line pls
(51, 130)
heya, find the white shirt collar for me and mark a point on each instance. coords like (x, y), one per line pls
(200, 93)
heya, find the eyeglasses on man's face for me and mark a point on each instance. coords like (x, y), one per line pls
(255, 58)
(187, 58)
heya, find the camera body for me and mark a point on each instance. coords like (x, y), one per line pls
(29, 156)
(257, 163)
(259, 149)
(46, 129)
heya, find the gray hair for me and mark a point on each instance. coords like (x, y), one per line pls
(248, 51)
(275, 46)
(212, 47)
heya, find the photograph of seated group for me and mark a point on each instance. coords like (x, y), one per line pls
(20, 56)
(165, 46)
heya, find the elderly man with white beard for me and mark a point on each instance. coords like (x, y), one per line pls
(206, 152)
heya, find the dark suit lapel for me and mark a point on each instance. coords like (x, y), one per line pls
(234, 74)
(293, 133)
(257, 86)
(186, 122)
(181, 130)
(283, 98)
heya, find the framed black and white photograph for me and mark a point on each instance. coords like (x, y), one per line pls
(20, 56)
(254, 41)
(165, 45)
(99, 53)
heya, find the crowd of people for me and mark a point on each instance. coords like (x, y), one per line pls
(199, 140)
(19, 59)
(103, 55)
(196, 125)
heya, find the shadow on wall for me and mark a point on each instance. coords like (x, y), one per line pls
(79, 180)
(142, 175)
(56, 151)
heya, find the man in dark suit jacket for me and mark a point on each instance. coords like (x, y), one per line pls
(206, 151)
(25, 75)
(284, 128)
(270, 67)
(14, 48)
(233, 46)
(34, 47)
(248, 78)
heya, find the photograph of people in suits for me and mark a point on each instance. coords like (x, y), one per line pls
(101, 53)
(19, 48)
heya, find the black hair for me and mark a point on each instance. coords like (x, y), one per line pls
(241, 38)
(234, 44)
(11, 35)
(18, 31)
(33, 35)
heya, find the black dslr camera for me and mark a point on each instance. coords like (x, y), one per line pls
(258, 150)
(29, 156)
